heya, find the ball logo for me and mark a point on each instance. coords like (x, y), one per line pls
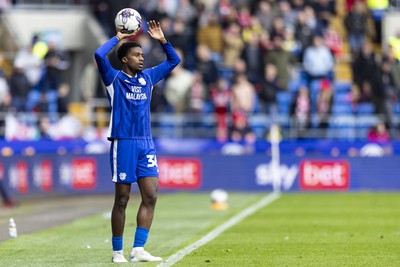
(125, 14)
(324, 175)
(179, 173)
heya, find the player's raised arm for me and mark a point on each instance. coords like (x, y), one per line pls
(105, 69)
(156, 32)
(160, 71)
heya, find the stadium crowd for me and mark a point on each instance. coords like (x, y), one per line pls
(240, 58)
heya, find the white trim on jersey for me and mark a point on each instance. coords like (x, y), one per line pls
(115, 149)
(110, 90)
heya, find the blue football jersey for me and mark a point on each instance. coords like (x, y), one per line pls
(129, 96)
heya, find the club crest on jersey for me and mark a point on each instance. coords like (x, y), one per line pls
(122, 176)
(142, 81)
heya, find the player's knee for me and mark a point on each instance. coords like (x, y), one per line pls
(150, 199)
(122, 201)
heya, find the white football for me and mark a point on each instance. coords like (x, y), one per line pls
(128, 20)
(219, 196)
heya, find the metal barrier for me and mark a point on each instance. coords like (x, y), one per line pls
(341, 127)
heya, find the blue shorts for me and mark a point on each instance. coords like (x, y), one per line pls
(132, 159)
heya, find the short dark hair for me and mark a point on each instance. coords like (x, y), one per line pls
(124, 48)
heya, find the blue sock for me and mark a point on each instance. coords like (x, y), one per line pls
(117, 242)
(141, 235)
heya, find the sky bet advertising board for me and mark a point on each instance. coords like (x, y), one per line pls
(44, 174)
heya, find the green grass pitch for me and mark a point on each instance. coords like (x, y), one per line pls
(297, 229)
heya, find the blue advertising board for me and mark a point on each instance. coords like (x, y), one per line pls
(90, 173)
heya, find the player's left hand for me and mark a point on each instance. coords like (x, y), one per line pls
(155, 30)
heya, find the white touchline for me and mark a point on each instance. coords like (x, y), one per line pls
(220, 229)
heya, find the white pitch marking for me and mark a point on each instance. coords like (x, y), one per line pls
(220, 229)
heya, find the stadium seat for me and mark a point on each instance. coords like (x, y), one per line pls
(342, 86)
(294, 85)
(259, 124)
(342, 121)
(284, 98)
(284, 109)
(341, 97)
(341, 133)
(342, 109)
(366, 121)
(396, 108)
(365, 108)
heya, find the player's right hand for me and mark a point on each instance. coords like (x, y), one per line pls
(122, 35)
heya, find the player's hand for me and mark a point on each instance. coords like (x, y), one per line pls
(155, 31)
(122, 35)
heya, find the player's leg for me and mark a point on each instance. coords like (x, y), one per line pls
(118, 220)
(123, 175)
(148, 189)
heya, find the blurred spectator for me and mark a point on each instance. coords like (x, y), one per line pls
(240, 130)
(356, 25)
(186, 12)
(18, 130)
(367, 76)
(391, 73)
(233, 44)
(181, 38)
(394, 43)
(89, 81)
(281, 59)
(244, 16)
(303, 32)
(198, 95)
(63, 99)
(301, 111)
(178, 86)
(333, 41)
(56, 62)
(254, 29)
(270, 86)
(324, 103)
(390, 70)
(350, 4)
(290, 44)
(278, 28)
(378, 9)
(287, 13)
(210, 35)
(8, 202)
(205, 65)
(39, 47)
(264, 14)
(243, 95)
(66, 128)
(325, 10)
(224, 10)
(221, 98)
(379, 133)
(5, 96)
(103, 16)
(20, 87)
(253, 55)
(4, 86)
(318, 61)
(30, 63)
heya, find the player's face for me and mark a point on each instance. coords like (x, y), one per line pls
(135, 59)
